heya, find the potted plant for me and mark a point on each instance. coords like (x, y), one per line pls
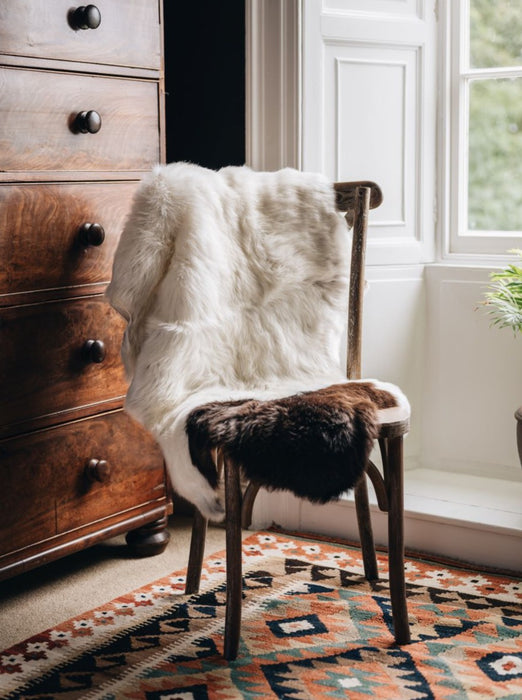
(504, 304)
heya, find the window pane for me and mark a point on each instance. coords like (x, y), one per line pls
(495, 155)
(495, 33)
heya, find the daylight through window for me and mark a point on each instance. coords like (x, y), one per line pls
(487, 123)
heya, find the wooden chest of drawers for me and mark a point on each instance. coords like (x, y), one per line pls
(81, 120)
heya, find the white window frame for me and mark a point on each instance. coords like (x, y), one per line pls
(460, 244)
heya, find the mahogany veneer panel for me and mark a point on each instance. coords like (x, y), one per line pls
(128, 35)
(39, 241)
(38, 111)
(60, 497)
(43, 371)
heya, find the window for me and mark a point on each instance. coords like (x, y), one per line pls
(485, 108)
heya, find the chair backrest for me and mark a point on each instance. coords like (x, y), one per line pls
(356, 199)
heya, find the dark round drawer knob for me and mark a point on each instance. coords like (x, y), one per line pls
(88, 122)
(86, 17)
(93, 351)
(98, 470)
(91, 234)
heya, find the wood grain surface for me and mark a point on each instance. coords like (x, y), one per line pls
(128, 35)
(42, 370)
(39, 234)
(38, 110)
(56, 496)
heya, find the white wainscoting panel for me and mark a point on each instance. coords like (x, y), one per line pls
(368, 89)
(359, 144)
(473, 382)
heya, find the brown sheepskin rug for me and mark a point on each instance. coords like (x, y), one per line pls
(315, 444)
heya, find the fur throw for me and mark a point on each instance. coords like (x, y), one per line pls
(315, 444)
(234, 287)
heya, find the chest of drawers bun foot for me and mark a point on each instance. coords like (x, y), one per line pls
(150, 539)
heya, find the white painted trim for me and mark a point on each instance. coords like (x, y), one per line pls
(273, 92)
(510, 72)
(456, 243)
(390, 13)
(281, 508)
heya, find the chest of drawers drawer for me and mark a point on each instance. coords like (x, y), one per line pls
(48, 366)
(41, 116)
(47, 240)
(128, 32)
(83, 472)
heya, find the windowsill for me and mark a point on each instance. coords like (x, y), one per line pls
(476, 520)
(462, 499)
(484, 502)
(473, 518)
(473, 261)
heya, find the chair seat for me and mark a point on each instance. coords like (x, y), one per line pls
(393, 422)
(315, 444)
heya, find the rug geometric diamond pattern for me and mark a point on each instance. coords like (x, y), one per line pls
(312, 627)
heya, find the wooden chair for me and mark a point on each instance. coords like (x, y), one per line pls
(354, 198)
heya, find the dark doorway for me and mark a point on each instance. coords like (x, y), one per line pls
(205, 82)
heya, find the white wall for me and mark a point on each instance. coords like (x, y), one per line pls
(366, 92)
(393, 338)
(473, 379)
(426, 330)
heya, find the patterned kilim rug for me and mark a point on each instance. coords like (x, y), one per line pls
(312, 628)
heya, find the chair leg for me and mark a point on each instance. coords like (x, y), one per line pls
(364, 522)
(234, 572)
(197, 549)
(396, 540)
(249, 498)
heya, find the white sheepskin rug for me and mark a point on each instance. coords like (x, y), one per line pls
(234, 286)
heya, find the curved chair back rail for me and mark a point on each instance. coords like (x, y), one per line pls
(345, 194)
